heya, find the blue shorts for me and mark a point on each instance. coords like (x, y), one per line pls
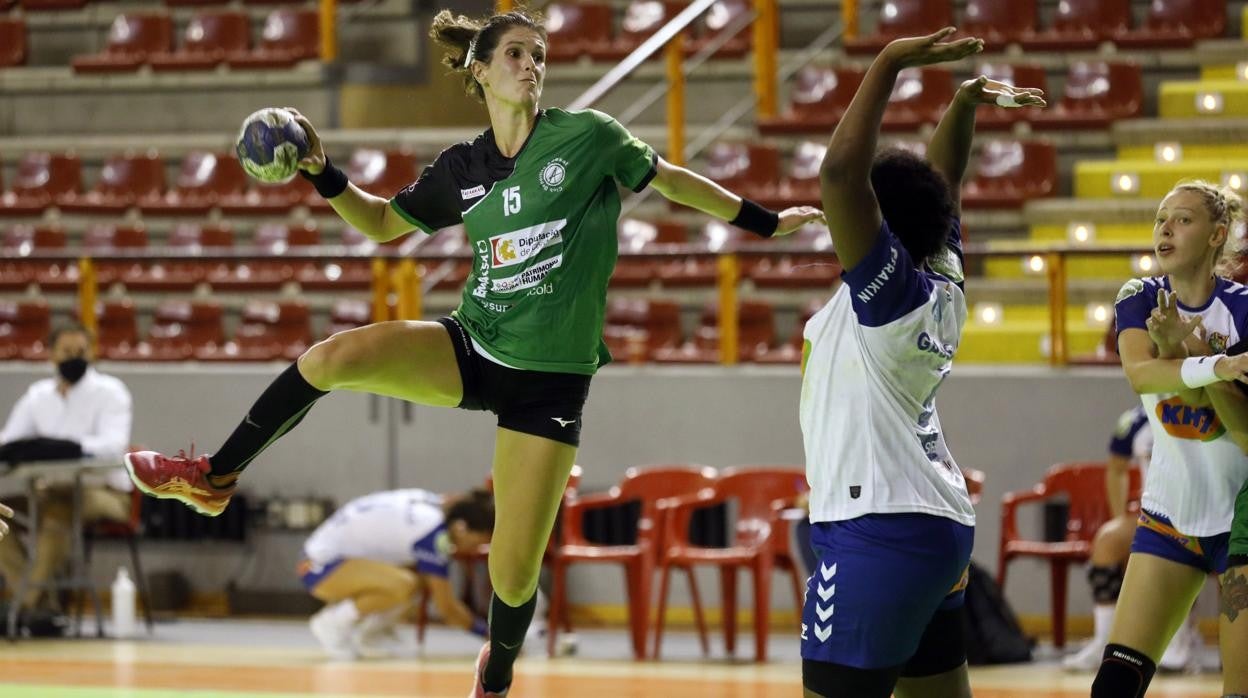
(1155, 535)
(312, 573)
(878, 582)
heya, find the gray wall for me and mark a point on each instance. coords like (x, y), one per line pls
(1011, 423)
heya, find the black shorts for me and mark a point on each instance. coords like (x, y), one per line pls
(530, 402)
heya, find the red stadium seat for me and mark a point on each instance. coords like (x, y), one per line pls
(637, 238)
(1081, 25)
(636, 327)
(1082, 485)
(124, 180)
(209, 37)
(12, 42)
(113, 238)
(202, 182)
(379, 172)
(131, 40)
(181, 328)
(447, 258)
(116, 329)
(348, 314)
(576, 29)
(39, 5)
(919, 97)
(21, 241)
(267, 331)
(800, 187)
(1011, 173)
(818, 101)
(1000, 118)
(269, 272)
(289, 36)
(41, 179)
(267, 199)
(749, 169)
(756, 333)
(806, 260)
(1176, 24)
(999, 22)
(182, 275)
(714, 236)
(759, 543)
(716, 20)
(642, 18)
(1096, 95)
(903, 18)
(24, 327)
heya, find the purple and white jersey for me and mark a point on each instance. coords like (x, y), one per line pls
(875, 356)
(399, 527)
(1196, 469)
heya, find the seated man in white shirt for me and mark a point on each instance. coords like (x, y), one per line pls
(82, 406)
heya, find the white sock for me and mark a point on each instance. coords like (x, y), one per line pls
(1102, 622)
(344, 612)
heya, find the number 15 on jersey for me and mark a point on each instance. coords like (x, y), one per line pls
(511, 200)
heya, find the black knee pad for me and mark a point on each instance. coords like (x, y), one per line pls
(839, 681)
(1124, 673)
(942, 647)
(1106, 583)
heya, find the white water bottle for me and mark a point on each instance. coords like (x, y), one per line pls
(123, 605)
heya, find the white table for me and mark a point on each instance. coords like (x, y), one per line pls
(31, 476)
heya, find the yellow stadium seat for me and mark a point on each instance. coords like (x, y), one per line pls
(1224, 72)
(1117, 233)
(1107, 179)
(1021, 336)
(1193, 151)
(1203, 98)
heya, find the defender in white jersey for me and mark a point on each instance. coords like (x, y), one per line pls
(1199, 421)
(368, 560)
(891, 522)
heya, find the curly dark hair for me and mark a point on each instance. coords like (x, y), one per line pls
(915, 201)
(457, 32)
(476, 510)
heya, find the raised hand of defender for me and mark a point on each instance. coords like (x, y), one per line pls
(985, 90)
(1166, 327)
(926, 50)
(314, 163)
(793, 218)
(5, 512)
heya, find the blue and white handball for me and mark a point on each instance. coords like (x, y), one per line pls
(271, 144)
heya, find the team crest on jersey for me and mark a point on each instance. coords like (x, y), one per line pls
(1183, 421)
(553, 175)
(1217, 342)
(1130, 288)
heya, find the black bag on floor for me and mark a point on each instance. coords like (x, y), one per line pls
(993, 635)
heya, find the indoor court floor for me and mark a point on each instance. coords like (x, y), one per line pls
(277, 659)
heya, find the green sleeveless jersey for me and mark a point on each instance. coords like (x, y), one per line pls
(542, 227)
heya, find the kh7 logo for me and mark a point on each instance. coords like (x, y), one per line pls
(1182, 421)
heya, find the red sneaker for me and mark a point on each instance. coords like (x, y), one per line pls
(181, 478)
(478, 690)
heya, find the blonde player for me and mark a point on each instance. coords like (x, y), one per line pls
(368, 560)
(892, 524)
(1199, 423)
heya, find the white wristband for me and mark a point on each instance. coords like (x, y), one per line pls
(1198, 371)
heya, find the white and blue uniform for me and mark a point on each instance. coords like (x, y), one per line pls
(1196, 468)
(892, 523)
(1132, 438)
(398, 527)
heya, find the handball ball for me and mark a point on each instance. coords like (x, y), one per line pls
(271, 144)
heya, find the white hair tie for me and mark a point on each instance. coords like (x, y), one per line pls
(472, 48)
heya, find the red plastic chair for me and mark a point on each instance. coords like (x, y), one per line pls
(900, 18)
(716, 20)
(23, 240)
(1081, 25)
(24, 327)
(124, 181)
(576, 30)
(267, 199)
(800, 186)
(642, 18)
(647, 485)
(271, 271)
(12, 42)
(348, 314)
(179, 330)
(919, 97)
(131, 40)
(289, 36)
(715, 236)
(116, 329)
(760, 543)
(268, 330)
(203, 180)
(1176, 24)
(638, 238)
(756, 334)
(817, 102)
(806, 260)
(209, 37)
(182, 275)
(110, 238)
(1083, 485)
(1001, 118)
(638, 327)
(1096, 95)
(749, 169)
(41, 179)
(378, 172)
(999, 22)
(1010, 173)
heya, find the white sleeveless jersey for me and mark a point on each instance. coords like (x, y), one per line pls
(876, 353)
(399, 527)
(1196, 469)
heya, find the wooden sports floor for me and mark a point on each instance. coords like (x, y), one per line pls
(253, 668)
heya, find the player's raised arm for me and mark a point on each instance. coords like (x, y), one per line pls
(849, 201)
(691, 189)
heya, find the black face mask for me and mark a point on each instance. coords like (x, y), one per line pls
(72, 370)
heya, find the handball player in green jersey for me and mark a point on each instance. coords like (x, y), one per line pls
(537, 195)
